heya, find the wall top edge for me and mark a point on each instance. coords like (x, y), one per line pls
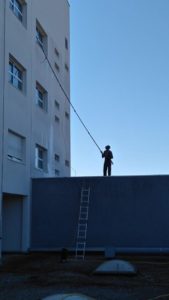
(100, 177)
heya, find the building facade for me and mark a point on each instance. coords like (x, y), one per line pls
(34, 111)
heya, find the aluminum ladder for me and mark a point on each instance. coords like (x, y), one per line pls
(82, 224)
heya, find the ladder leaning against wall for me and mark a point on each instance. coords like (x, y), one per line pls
(82, 223)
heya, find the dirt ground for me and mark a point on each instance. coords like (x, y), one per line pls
(37, 275)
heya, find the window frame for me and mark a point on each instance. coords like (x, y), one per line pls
(17, 8)
(17, 158)
(40, 160)
(41, 37)
(16, 74)
(41, 97)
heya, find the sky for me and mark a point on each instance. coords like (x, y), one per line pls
(120, 85)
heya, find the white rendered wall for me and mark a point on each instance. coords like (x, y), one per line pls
(20, 112)
(54, 17)
(2, 13)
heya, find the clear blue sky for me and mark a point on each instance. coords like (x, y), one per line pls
(120, 85)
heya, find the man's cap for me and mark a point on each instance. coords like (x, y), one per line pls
(107, 147)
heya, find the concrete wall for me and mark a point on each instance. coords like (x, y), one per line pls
(128, 213)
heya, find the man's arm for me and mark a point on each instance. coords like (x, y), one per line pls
(110, 154)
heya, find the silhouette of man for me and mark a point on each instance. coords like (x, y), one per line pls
(108, 156)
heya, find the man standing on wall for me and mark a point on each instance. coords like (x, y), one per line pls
(108, 156)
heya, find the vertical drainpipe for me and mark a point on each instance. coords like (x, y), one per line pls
(3, 111)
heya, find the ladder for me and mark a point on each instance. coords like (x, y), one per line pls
(82, 223)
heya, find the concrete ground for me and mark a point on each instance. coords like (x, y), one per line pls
(37, 275)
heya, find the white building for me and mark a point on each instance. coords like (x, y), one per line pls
(34, 112)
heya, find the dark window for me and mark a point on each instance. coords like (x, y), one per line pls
(66, 43)
(67, 115)
(57, 172)
(57, 157)
(57, 120)
(67, 163)
(17, 9)
(57, 104)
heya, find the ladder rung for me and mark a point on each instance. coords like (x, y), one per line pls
(85, 201)
(84, 218)
(84, 195)
(82, 226)
(84, 209)
(80, 250)
(81, 238)
(80, 253)
(82, 231)
(85, 189)
(81, 235)
(80, 244)
(83, 212)
(82, 222)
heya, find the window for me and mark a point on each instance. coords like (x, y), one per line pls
(67, 163)
(57, 104)
(57, 67)
(41, 37)
(57, 172)
(41, 96)
(16, 73)
(67, 115)
(57, 120)
(66, 43)
(56, 52)
(66, 67)
(16, 147)
(40, 158)
(17, 8)
(57, 157)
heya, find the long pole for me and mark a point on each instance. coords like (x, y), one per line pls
(64, 92)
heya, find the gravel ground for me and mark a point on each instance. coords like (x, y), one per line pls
(37, 275)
